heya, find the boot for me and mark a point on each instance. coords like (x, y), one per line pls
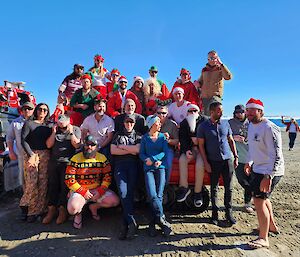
(50, 214)
(229, 217)
(62, 215)
(24, 212)
(214, 217)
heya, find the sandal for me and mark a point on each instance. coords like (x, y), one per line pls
(258, 243)
(94, 214)
(77, 223)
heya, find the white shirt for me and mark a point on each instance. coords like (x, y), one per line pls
(178, 114)
(99, 130)
(265, 148)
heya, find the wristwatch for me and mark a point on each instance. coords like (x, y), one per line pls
(267, 176)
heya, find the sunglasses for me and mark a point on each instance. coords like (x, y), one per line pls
(129, 121)
(27, 108)
(192, 111)
(115, 75)
(240, 112)
(153, 71)
(90, 144)
(123, 82)
(43, 109)
(212, 58)
(163, 113)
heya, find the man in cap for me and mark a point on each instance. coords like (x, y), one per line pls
(239, 126)
(63, 141)
(189, 151)
(100, 126)
(129, 108)
(153, 71)
(116, 103)
(216, 147)
(137, 89)
(125, 148)
(70, 84)
(266, 166)
(211, 81)
(14, 136)
(190, 91)
(178, 109)
(88, 176)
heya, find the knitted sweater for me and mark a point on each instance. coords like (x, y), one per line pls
(84, 174)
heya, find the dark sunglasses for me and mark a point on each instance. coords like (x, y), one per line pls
(43, 109)
(239, 111)
(163, 113)
(27, 108)
(90, 144)
(153, 71)
(192, 111)
(129, 121)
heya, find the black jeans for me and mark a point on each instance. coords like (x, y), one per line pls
(244, 181)
(57, 189)
(221, 168)
(292, 137)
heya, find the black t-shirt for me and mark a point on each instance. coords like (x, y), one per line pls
(63, 149)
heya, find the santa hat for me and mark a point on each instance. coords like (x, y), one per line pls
(255, 103)
(193, 106)
(122, 78)
(115, 71)
(98, 57)
(86, 76)
(136, 78)
(178, 89)
(184, 71)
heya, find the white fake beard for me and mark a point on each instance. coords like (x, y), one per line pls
(101, 113)
(192, 120)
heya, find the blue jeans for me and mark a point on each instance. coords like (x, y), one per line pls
(155, 183)
(170, 157)
(126, 174)
(106, 151)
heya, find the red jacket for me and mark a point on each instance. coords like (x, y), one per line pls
(190, 92)
(114, 105)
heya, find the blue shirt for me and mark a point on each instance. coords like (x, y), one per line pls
(216, 142)
(156, 151)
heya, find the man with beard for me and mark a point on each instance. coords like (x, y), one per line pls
(266, 158)
(216, 144)
(239, 126)
(189, 151)
(116, 103)
(129, 108)
(64, 141)
(211, 81)
(88, 177)
(153, 71)
(70, 84)
(100, 126)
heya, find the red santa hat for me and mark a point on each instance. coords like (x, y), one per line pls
(255, 103)
(178, 89)
(136, 78)
(98, 57)
(122, 78)
(193, 106)
(86, 76)
(115, 71)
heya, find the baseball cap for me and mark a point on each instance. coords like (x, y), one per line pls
(153, 68)
(239, 108)
(90, 140)
(28, 104)
(63, 118)
(129, 117)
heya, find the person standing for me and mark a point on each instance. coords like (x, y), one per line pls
(266, 166)
(215, 145)
(239, 126)
(63, 142)
(292, 127)
(211, 81)
(34, 135)
(154, 147)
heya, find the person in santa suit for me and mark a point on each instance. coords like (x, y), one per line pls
(112, 85)
(190, 91)
(115, 105)
(153, 96)
(99, 74)
(153, 71)
(137, 89)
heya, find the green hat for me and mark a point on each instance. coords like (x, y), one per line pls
(153, 68)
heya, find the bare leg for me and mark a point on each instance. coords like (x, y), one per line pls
(263, 216)
(183, 171)
(273, 227)
(199, 174)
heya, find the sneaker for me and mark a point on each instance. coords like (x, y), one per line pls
(182, 194)
(229, 217)
(165, 226)
(248, 208)
(132, 231)
(198, 199)
(214, 217)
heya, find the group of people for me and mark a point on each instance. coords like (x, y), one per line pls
(101, 132)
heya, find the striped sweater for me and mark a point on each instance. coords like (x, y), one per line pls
(84, 174)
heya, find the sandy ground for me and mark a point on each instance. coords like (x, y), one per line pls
(194, 235)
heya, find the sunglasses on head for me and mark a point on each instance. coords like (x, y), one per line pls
(163, 113)
(43, 109)
(192, 111)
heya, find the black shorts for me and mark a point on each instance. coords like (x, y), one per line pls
(255, 180)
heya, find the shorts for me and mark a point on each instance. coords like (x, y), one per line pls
(93, 191)
(255, 180)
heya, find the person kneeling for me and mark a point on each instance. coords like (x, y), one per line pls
(88, 176)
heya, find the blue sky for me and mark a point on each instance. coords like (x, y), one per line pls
(258, 40)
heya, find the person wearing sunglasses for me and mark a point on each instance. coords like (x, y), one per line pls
(14, 136)
(112, 85)
(98, 73)
(88, 176)
(189, 151)
(170, 130)
(34, 135)
(153, 71)
(125, 148)
(239, 126)
(211, 81)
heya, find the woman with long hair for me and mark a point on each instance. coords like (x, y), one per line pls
(33, 139)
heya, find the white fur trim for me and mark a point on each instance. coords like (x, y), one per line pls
(253, 105)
